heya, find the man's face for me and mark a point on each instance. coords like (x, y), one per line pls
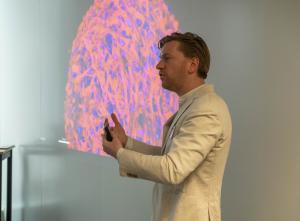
(173, 67)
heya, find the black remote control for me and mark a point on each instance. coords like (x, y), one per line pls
(107, 133)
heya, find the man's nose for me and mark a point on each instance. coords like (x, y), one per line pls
(159, 65)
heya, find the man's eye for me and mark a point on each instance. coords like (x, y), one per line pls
(165, 58)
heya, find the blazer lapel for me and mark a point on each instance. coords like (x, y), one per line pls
(166, 127)
(171, 128)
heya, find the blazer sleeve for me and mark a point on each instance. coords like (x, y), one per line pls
(139, 147)
(197, 135)
(142, 147)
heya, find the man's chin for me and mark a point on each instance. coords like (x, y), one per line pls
(165, 86)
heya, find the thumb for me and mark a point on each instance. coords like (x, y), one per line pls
(115, 119)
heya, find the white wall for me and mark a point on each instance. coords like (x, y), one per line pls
(255, 52)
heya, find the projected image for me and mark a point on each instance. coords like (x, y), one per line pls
(112, 69)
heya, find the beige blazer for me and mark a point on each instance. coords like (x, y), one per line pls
(188, 168)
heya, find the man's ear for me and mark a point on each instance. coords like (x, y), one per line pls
(194, 65)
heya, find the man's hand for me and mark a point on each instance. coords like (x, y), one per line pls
(119, 137)
(112, 147)
(118, 130)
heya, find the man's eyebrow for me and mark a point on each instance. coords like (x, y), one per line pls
(164, 55)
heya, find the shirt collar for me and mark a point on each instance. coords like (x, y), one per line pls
(189, 94)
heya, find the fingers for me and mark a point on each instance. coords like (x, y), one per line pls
(104, 138)
(104, 141)
(115, 119)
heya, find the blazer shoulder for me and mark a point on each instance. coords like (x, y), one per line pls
(209, 102)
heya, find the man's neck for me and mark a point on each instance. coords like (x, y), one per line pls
(191, 86)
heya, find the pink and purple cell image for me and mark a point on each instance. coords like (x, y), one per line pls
(112, 69)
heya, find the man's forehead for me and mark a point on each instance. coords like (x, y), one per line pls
(170, 48)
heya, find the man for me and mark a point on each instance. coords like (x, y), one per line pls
(188, 168)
